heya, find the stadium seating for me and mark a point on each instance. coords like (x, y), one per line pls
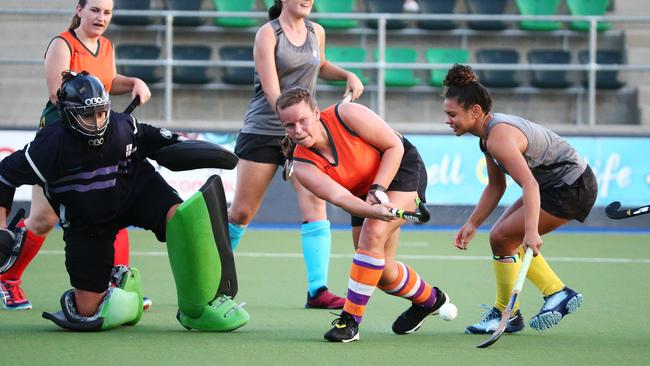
(148, 74)
(385, 6)
(237, 75)
(588, 7)
(538, 7)
(498, 78)
(230, 5)
(188, 5)
(268, 3)
(336, 6)
(604, 79)
(549, 78)
(486, 7)
(400, 77)
(444, 56)
(132, 5)
(437, 7)
(191, 74)
(347, 54)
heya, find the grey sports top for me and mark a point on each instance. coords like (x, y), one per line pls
(296, 66)
(551, 159)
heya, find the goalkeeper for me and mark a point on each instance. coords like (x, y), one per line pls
(92, 166)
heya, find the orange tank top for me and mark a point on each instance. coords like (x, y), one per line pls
(100, 63)
(355, 161)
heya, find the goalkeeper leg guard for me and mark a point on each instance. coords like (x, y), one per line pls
(122, 305)
(202, 262)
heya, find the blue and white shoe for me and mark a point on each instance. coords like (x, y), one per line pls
(490, 320)
(556, 306)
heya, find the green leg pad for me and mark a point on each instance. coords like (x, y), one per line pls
(124, 304)
(222, 315)
(199, 250)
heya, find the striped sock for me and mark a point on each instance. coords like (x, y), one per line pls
(365, 272)
(411, 286)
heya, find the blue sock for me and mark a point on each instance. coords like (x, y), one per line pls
(316, 245)
(236, 232)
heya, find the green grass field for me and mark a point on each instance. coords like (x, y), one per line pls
(612, 327)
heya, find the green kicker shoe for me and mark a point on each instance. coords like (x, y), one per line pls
(223, 314)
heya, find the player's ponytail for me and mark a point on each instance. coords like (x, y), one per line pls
(463, 85)
(76, 21)
(275, 10)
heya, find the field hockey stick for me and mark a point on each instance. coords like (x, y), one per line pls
(15, 247)
(420, 216)
(347, 98)
(134, 103)
(614, 211)
(507, 312)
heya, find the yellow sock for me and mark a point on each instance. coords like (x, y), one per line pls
(506, 275)
(542, 276)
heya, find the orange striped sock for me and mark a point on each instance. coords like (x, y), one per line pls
(410, 286)
(365, 272)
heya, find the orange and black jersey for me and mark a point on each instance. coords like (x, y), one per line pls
(99, 63)
(355, 161)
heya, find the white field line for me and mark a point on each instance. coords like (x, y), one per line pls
(401, 256)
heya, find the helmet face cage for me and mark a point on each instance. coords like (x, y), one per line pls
(80, 98)
(85, 119)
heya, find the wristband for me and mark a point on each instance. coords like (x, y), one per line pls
(378, 187)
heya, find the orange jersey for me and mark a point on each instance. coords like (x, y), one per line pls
(355, 161)
(100, 63)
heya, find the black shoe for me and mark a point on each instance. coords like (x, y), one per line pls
(345, 329)
(412, 319)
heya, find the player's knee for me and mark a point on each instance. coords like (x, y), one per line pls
(40, 223)
(500, 242)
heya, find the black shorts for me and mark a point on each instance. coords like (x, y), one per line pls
(572, 202)
(411, 176)
(260, 148)
(89, 252)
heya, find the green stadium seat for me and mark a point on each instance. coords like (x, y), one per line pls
(444, 56)
(498, 78)
(237, 75)
(538, 7)
(385, 6)
(604, 79)
(187, 5)
(346, 54)
(487, 7)
(148, 74)
(132, 5)
(437, 7)
(191, 74)
(588, 7)
(336, 6)
(239, 5)
(549, 78)
(400, 77)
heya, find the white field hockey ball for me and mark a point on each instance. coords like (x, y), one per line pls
(448, 311)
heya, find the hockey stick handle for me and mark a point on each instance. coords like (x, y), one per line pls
(525, 264)
(412, 216)
(134, 103)
(347, 98)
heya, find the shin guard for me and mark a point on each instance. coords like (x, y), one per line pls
(202, 262)
(122, 305)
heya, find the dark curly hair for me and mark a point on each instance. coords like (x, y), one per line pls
(463, 85)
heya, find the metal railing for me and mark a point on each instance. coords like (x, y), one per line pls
(380, 65)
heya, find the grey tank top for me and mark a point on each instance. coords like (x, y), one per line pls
(553, 162)
(296, 66)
